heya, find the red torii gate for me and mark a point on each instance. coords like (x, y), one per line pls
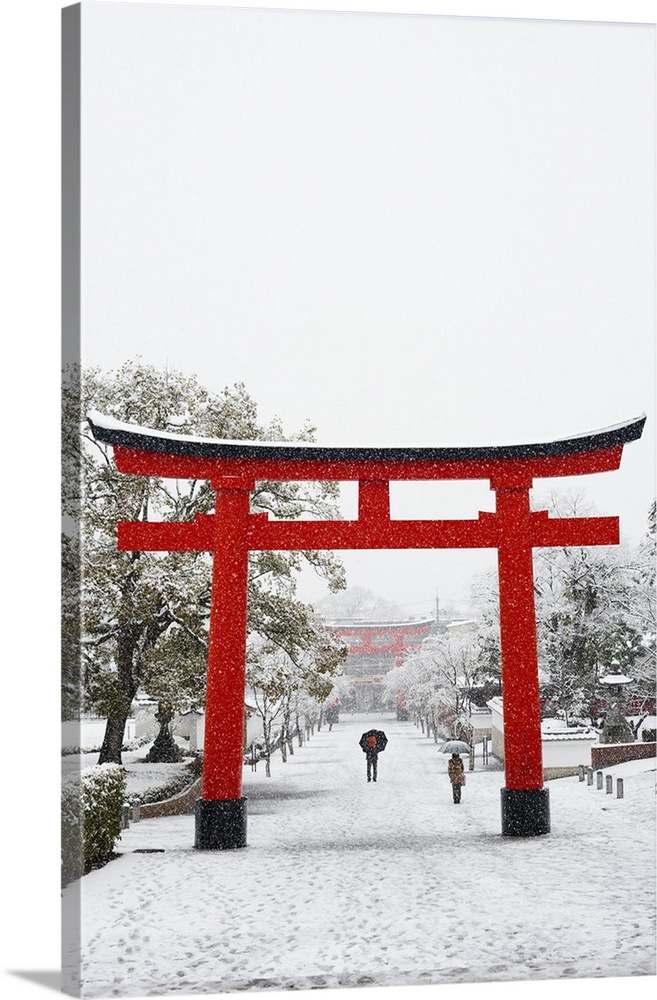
(233, 467)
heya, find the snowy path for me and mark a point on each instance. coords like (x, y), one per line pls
(346, 883)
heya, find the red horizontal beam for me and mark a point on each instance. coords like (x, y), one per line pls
(291, 535)
(266, 535)
(165, 536)
(549, 532)
(501, 472)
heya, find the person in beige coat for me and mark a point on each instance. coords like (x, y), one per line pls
(456, 774)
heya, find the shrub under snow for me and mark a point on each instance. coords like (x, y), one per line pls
(92, 807)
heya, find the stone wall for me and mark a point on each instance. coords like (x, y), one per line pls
(558, 772)
(608, 754)
(177, 806)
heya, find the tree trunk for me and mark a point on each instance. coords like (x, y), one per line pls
(266, 737)
(290, 739)
(110, 751)
(126, 648)
(287, 746)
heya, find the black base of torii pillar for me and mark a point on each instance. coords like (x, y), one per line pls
(220, 824)
(525, 812)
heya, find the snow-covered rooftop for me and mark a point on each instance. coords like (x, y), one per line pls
(556, 729)
(569, 734)
(355, 623)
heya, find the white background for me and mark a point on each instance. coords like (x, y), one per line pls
(409, 230)
(30, 67)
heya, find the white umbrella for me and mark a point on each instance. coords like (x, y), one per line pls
(454, 746)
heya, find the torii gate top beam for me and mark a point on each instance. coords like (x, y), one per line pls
(143, 451)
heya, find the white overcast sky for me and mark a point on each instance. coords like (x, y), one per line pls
(616, 325)
(407, 229)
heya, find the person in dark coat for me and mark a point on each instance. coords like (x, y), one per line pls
(372, 757)
(332, 713)
(456, 774)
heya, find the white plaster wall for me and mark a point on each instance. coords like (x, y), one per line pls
(253, 728)
(482, 724)
(88, 734)
(497, 728)
(567, 753)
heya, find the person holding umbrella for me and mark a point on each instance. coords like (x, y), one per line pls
(455, 769)
(456, 774)
(372, 743)
(372, 757)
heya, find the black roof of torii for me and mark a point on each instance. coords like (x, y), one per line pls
(114, 432)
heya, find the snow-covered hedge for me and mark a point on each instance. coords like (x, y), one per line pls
(92, 812)
(176, 784)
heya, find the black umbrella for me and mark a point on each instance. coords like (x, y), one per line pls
(381, 739)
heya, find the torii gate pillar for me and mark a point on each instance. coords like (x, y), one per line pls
(233, 531)
(525, 802)
(221, 810)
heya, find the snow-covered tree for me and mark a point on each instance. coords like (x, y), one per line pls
(292, 673)
(595, 613)
(341, 691)
(131, 601)
(439, 680)
(415, 681)
(358, 602)
(638, 596)
(583, 629)
(267, 673)
(71, 650)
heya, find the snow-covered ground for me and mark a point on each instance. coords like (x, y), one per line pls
(347, 884)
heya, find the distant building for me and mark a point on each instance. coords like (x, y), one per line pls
(374, 649)
(480, 719)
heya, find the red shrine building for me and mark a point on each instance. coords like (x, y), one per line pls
(374, 649)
